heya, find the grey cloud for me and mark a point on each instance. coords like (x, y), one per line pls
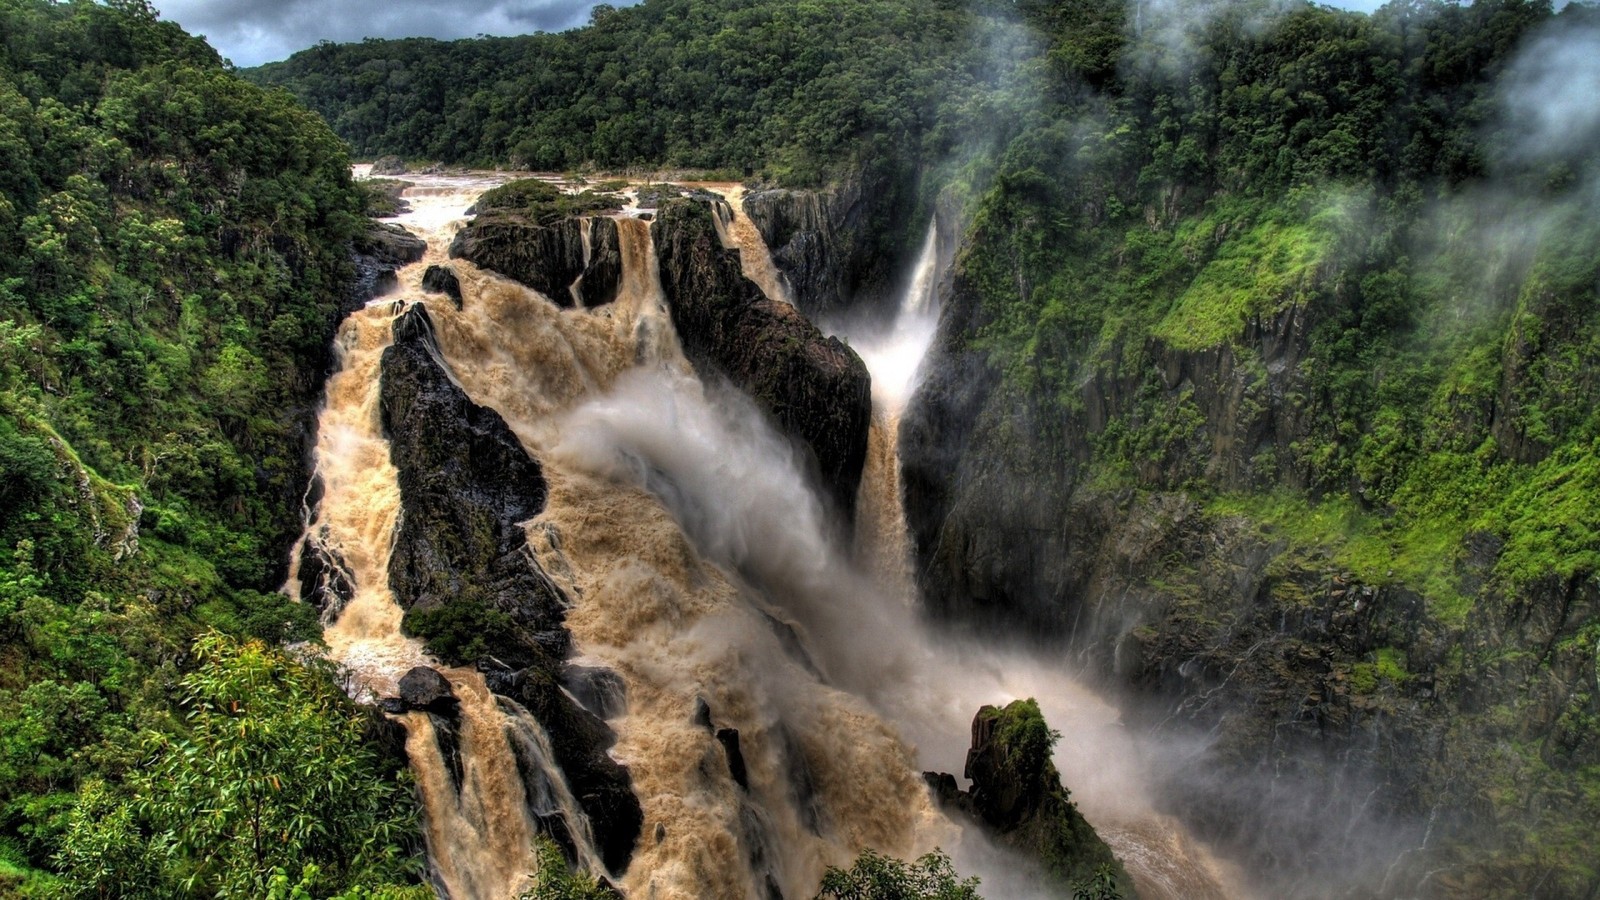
(250, 32)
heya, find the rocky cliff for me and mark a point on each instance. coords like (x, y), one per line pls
(1017, 796)
(462, 568)
(842, 248)
(815, 388)
(1381, 693)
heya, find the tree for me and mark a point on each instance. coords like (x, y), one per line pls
(272, 774)
(879, 877)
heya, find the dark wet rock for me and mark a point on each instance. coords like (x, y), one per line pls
(447, 736)
(377, 254)
(843, 249)
(1017, 796)
(600, 691)
(815, 387)
(443, 280)
(390, 243)
(729, 739)
(702, 714)
(461, 565)
(579, 741)
(326, 582)
(547, 256)
(425, 689)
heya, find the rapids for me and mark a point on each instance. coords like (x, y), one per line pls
(704, 571)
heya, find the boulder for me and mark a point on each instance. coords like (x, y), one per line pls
(547, 256)
(443, 280)
(389, 165)
(425, 689)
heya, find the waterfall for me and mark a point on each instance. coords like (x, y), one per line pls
(893, 356)
(781, 703)
(478, 829)
(737, 232)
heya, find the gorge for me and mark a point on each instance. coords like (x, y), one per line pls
(1104, 448)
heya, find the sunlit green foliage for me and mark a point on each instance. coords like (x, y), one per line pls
(878, 877)
(172, 257)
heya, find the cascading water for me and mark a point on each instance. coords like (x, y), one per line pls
(479, 832)
(779, 703)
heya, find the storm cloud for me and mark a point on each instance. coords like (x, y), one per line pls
(251, 32)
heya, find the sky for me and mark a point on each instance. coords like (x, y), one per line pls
(251, 32)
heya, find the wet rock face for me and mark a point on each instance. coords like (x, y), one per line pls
(466, 485)
(443, 280)
(842, 249)
(548, 257)
(1017, 796)
(579, 740)
(815, 387)
(464, 572)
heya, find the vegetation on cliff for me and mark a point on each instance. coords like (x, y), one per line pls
(1281, 319)
(173, 256)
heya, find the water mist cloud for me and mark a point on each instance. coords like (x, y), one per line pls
(1548, 98)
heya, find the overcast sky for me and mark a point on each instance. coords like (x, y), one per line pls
(251, 32)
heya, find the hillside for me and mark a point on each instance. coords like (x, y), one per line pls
(176, 254)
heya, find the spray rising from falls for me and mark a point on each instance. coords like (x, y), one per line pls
(778, 704)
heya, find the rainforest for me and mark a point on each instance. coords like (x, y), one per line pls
(839, 449)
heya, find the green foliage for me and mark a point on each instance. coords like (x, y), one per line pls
(172, 258)
(797, 91)
(543, 202)
(878, 877)
(270, 769)
(462, 631)
(554, 880)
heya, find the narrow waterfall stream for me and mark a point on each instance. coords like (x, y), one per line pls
(702, 570)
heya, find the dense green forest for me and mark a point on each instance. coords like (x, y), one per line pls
(1146, 191)
(789, 91)
(1330, 277)
(173, 249)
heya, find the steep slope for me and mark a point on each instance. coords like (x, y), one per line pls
(1278, 409)
(175, 254)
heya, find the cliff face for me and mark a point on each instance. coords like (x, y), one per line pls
(815, 387)
(842, 248)
(1358, 701)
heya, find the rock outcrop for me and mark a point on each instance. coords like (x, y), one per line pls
(569, 260)
(462, 569)
(461, 555)
(843, 249)
(443, 280)
(377, 254)
(814, 386)
(1018, 797)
